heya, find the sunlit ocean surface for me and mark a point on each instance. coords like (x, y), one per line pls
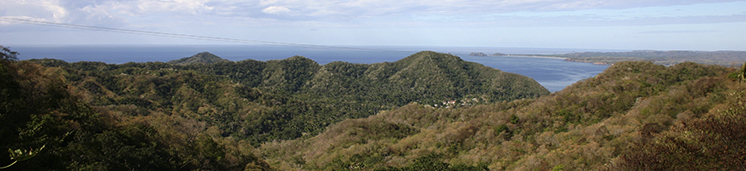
(554, 74)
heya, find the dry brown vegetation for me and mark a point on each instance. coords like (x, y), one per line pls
(612, 121)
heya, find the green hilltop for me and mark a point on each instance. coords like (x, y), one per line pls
(424, 77)
(204, 57)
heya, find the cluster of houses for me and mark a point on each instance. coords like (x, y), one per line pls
(455, 103)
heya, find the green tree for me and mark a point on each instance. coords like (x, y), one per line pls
(742, 73)
(8, 55)
(21, 155)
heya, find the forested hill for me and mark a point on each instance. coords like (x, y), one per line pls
(633, 116)
(204, 57)
(285, 99)
(47, 126)
(425, 77)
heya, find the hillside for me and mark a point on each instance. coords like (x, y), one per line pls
(200, 58)
(295, 114)
(424, 77)
(633, 116)
(42, 114)
(287, 99)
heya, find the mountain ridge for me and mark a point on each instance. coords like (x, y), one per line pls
(295, 96)
(203, 57)
(430, 72)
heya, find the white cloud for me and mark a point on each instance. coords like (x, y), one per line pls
(276, 10)
(390, 21)
(47, 10)
(178, 6)
(329, 9)
(347, 9)
(329, 12)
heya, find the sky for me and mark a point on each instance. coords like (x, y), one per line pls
(587, 24)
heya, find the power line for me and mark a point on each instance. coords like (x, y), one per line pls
(177, 35)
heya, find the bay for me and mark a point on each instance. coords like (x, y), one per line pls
(553, 73)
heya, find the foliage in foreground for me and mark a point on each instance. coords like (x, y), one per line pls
(38, 109)
(716, 141)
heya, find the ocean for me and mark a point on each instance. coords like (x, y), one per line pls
(553, 73)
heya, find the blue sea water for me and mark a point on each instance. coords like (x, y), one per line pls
(553, 73)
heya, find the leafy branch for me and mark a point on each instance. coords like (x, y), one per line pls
(21, 155)
(7, 55)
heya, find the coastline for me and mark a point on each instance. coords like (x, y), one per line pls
(566, 59)
(515, 55)
(534, 56)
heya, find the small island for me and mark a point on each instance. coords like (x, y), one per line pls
(483, 54)
(477, 54)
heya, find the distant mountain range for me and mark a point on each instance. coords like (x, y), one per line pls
(725, 58)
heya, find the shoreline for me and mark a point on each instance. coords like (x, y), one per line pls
(525, 56)
(566, 59)
(534, 56)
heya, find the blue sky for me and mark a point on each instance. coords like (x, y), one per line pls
(586, 24)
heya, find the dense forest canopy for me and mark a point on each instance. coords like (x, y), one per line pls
(428, 111)
(286, 99)
(633, 116)
(207, 114)
(41, 111)
(204, 57)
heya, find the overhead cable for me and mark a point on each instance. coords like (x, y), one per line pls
(177, 35)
